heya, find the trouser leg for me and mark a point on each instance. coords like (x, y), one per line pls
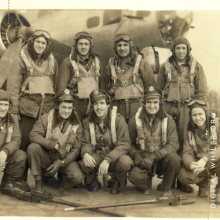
(37, 158)
(181, 119)
(71, 175)
(16, 164)
(169, 167)
(26, 124)
(91, 172)
(121, 167)
(127, 110)
(139, 177)
(81, 106)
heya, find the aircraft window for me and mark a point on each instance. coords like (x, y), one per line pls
(112, 17)
(142, 14)
(93, 22)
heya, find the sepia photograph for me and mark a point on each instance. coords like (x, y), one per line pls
(109, 113)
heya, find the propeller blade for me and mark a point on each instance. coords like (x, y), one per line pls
(59, 47)
(7, 60)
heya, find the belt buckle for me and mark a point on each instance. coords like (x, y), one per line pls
(124, 83)
(179, 79)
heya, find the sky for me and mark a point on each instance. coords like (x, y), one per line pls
(205, 43)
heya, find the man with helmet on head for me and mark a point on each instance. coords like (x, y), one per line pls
(201, 150)
(80, 72)
(154, 143)
(12, 160)
(182, 79)
(56, 142)
(32, 83)
(127, 76)
(105, 144)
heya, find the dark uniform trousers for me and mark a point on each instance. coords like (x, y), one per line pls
(169, 167)
(127, 108)
(81, 106)
(15, 164)
(38, 158)
(120, 167)
(181, 119)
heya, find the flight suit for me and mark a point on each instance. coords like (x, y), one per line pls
(168, 162)
(10, 140)
(115, 153)
(179, 87)
(193, 153)
(81, 79)
(127, 88)
(43, 138)
(32, 88)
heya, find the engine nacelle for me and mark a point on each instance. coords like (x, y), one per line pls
(9, 28)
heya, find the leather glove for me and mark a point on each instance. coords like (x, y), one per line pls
(137, 159)
(53, 168)
(148, 162)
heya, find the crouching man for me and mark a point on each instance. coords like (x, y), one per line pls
(12, 160)
(56, 141)
(105, 144)
(154, 143)
(199, 151)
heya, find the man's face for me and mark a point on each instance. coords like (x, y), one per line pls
(100, 108)
(181, 51)
(4, 106)
(83, 47)
(152, 106)
(40, 45)
(198, 116)
(65, 109)
(123, 49)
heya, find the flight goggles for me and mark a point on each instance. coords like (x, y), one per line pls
(124, 37)
(39, 33)
(82, 34)
(199, 102)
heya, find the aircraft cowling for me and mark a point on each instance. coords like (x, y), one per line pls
(149, 56)
(9, 29)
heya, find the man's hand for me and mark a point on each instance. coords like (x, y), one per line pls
(57, 146)
(199, 166)
(68, 147)
(2, 167)
(103, 168)
(138, 159)
(3, 157)
(202, 162)
(148, 162)
(89, 161)
(53, 168)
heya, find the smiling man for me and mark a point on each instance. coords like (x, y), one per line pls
(12, 160)
(81, 72)
(182, 79)
(105, 144)
(127, 76)
(197, 152)
(154, 143)
(56, 142)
